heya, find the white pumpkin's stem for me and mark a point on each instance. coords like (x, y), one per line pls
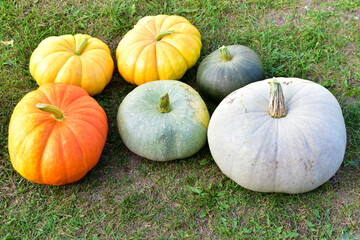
(164, 103)
(277, 106)
(225, 54)
(56, 113)
(81, 47)
(163, 34)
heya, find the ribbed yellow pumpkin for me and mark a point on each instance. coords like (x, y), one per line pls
(79, 60)
(157, 48)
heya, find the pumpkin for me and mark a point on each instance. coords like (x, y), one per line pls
(227, 69)
(291, 140)
(79, 60)
(56, 134)
(163, 120)
(157, 48)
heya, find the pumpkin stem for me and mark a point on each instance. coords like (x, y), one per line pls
(56, 113)
(277, 106)
(164, 104)
(163, 34)
(225, 54)
(81, 47)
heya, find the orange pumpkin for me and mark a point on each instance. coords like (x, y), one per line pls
(157, 48)
(56, 134)
(79, 60)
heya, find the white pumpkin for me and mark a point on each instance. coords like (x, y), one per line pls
(294, 153)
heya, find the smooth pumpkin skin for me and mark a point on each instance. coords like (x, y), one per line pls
(141, 59)
(292, 154)
(46, 151)
(217, 78)
(54, 60)
(158, 136)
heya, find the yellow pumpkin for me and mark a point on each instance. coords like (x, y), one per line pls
(79, 60)
(157, 48)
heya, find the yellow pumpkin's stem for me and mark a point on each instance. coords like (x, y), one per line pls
(225, 54)
(164, 103)
(81, 47)
(163, 34)
(277, 106)
(56, 113)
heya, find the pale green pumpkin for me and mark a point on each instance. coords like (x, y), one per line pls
(163, 120)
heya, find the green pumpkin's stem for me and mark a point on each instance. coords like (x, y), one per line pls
(163, 34)
(225, 54)
(277, 106)
(56, 113)
(81, 47)
(164, 104)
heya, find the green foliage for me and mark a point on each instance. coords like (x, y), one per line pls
(352, 120)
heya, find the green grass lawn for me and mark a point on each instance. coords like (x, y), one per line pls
(128, 197)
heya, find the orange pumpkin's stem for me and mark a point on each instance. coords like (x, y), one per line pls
(81, 47)
(56, 113)
(225, 54)
(164, 104)
(277, 106)
(163, 34)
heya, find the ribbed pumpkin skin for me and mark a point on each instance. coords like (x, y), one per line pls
(141, 59)
(54, 61)
(158, 136)
(216, 78)
(292, 154)
(46, 151)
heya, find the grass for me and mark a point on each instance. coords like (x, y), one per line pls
(128, 197)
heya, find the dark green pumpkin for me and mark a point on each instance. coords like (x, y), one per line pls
(228, 69)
